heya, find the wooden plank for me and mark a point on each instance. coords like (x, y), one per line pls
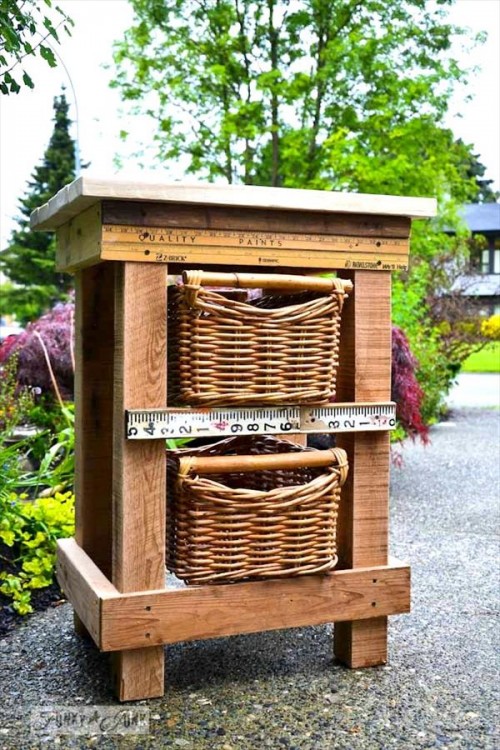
(166, 215)
(119, 621)
(198, 612)
(378, 259)
(365, 375)
(83, 584)
(139, 482)
(157, 237)
(77, 196)
(94, 338)
(79, 240)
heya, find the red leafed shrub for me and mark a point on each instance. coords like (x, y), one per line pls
(45, 352)
(8, 346)
(406, 391)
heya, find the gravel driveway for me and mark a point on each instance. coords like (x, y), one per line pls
(282, 689)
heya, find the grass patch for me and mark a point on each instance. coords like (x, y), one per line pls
(487, 360)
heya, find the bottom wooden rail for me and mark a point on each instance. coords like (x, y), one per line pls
(149, 618)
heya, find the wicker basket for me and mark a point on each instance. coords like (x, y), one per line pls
(252, 508)
(273, 350)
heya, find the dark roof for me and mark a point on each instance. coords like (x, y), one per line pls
(482, 217)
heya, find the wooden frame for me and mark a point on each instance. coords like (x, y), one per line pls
(148, 618)
(113, 572)
(364, 512)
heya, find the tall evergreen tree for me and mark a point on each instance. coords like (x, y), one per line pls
(477, 172)
(29, 260)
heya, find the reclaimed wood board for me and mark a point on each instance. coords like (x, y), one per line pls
(131, 621)
(87, 190)
(139, 471)
(365, 375)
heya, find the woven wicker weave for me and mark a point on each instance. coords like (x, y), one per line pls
(243, 526)
(281, 349)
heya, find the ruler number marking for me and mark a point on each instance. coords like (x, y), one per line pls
(177, 424)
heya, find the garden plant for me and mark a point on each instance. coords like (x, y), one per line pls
(36, 461)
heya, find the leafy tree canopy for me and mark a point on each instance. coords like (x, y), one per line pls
(29, 260)
(329, 94)
(325, 94)
(26, 27)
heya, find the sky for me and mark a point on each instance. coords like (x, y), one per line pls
(26, 118)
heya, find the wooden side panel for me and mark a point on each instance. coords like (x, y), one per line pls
(94, 341)
(79, 240)
(215, 611)
(365, 375)
(139, 470)
(144, 214)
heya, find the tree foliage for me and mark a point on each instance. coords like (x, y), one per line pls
(332, 94)
(477, 171)
(327, 94)
(26, 28)
(29, 259)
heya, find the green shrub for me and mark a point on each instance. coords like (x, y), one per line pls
(29, 528)
(16, 403)
(28, 535)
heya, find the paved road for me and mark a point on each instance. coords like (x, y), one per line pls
(476, 389)
(282, 690)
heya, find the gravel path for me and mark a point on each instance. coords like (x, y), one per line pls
(282, 690)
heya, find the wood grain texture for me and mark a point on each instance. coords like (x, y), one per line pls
(139, 470)
(365, 375)
(77, 196)
(84, 585)
(139, 674)
(200, 612)
(128, 621)
(376, 258)
(143, 214)
(362, 643)
(94, 339)
(79, 240)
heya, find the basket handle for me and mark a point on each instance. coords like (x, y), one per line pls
(269, 461)
(286, 282)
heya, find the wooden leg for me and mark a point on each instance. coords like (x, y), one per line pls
(365, 375)
(139, 673)
(139, 467)
(362, 643)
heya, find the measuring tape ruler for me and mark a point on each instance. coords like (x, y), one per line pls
(184, 245)
(151, 424)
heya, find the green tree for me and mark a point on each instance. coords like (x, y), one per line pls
(477, 171)
(29, 260)
(25, 31)
(327, 94)
(300, 95)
